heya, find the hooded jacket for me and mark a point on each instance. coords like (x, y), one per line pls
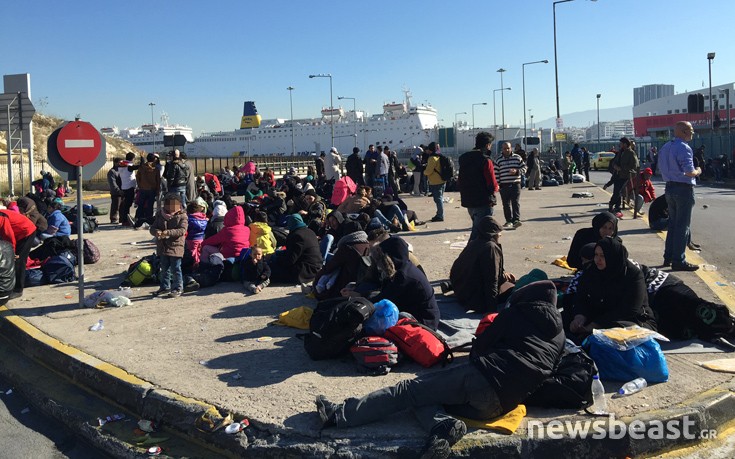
(234, 237)
(404, 284)
(175, 224)
(261, 236)
(477, 273)
(302, 258)
(197, 225)
(14, 227)
(28, 208)
(586, 236)
(520, 348)
(615, 296)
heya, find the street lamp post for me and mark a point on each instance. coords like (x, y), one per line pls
(502, 100)
(598, 121)
(354, 111)
(495, 121)
(293, 143)
(473, 113)
(531, 116)
(523, 71)
(710, 57)
(456, 131)
(727, 107)
(331, 100)
(153, 126)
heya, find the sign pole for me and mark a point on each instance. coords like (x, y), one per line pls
(80, 237)
(8, 142)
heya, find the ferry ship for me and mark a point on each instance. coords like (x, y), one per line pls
(400, 126)
(150, 137)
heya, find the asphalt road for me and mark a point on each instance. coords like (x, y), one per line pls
(29, 433)
(711, 225)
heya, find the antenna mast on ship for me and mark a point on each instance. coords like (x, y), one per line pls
(164, 118)
(407, 94)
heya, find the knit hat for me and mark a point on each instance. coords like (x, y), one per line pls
(201, 203)
(294, 222)
(357, 237)
(648, 171)
(219, 209)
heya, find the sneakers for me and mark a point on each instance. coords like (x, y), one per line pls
(694, 246)
(437, 219)
(517, 223)
(435, 448)
(441, 439)
(686, 266)
(162, 291)
(619, 214)
(327, 411)
(667, 263)
(508, 225)
(174, 293)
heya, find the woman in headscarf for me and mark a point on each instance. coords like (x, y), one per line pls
(477, 276)
(611, 293)
(604, 224)
(28, 208)
(344, 267)
(302, 259)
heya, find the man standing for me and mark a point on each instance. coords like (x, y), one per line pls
(354, 167)
(319, 163)
(116, 194)
(381, 173)
(577, 157)
(586, 163)
(417, 169)
(149, 183)
(509, 169)
(371, 160)
(127, 185)
(676, 162)
(177, 175)
(436, 183)
(477, 184)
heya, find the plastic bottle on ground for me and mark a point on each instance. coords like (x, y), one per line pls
(708, 267)
(599, 402)
(98, 326)
(631, 387)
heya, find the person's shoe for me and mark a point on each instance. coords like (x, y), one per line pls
(686, 266)
(445, 287)
(437, 219)
(162, 291)
(537, 188)
(191, 286)
(174, 293)
(435, 448)
(14, 295)
(667, 263)
(508, 225)
(517, 223)
(326, 410)
(131, 220)
(619, 214)
(418, 222)
(694, 246)
(451, 430)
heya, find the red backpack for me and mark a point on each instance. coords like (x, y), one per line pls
(419, 342)
(375, 354)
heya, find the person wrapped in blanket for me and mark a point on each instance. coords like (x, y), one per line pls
(509, 360)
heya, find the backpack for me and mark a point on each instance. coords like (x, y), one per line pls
(419, 342)
(447, 167)
(570, 384)
(89, 224)
(59, 269)
(91, 252)
(335, 326)
(375, 355)
(143, 271)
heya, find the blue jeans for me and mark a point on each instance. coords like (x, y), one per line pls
(462, 391)
(171, 267)
(325, 246)
(437, 192)
(476, 213)
(680, 199)
(181, 191)
(386, 217)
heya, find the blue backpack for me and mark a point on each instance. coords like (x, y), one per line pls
(59, 269)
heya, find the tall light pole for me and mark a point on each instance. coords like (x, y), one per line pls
(354, 111)
(473, 113)
(531, 116)
(710, 57)
(293, 143)
(495, 121)
(456, 130)
(502, 99)
(153, 126)
(727, 106)
(598, 121)
(331, 100)
(523, 71)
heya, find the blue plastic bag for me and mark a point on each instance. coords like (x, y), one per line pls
(645, 360)
(384, 317)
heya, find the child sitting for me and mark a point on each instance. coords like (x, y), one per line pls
(261, 234)
(645, 187)
(169, 228)
(197, 218)
(256, 272)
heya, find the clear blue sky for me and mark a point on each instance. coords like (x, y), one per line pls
(199, 60)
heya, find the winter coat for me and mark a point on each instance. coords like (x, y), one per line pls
(476, 181)
(234, 237)
(406, 286)
(303, 254)
(28, 207)
(332, 165)
(354, 168)
(114, 182)
(353, 204)
(58, 220)
(261, 236)
(520, 348)
(177, 173)
(627, 161)
(176, 225)
(433, 170)
(148, 177)
(586, 236)
(616, 296)
(477, 273)
(15, 227)
(255, 272)
(214, 226)
(197, 226)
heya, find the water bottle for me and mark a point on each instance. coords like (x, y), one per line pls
(98, 326)
(706, 267)
(599, 403)
(631, 387)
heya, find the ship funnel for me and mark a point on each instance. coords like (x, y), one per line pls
(250, 117)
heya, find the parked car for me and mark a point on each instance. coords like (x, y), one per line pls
(602, 160)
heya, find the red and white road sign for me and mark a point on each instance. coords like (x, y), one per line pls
(79, 143)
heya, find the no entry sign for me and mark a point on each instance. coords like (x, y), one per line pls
(79, 143)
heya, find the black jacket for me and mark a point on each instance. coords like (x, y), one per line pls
(474, 190)
(477, 273)
(354, 168)
(586, 236)
(302, 256)
(255, 272)
(522, 345)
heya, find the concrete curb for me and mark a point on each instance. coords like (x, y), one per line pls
(709, 410)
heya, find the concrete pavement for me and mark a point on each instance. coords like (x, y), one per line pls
(173, 360)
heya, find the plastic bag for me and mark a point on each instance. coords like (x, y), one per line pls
(637, 358)
(627, 337)
(384, 317)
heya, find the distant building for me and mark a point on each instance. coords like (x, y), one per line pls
(651, 92)
(610, 130)
(657, 117)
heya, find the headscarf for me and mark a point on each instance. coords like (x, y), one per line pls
(603, 217)
(219, 209)
(616, 256)
(488, 227)
(201, 203)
